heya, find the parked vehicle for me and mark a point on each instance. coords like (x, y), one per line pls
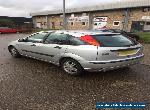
(76, 51)
(7, 30)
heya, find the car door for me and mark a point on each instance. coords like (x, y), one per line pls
(29, 47)
(53, 47)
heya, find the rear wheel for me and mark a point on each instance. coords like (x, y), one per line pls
(14, 52)
(71, 67)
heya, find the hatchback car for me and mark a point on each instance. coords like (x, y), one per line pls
(76, 51)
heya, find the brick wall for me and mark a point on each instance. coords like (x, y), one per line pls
(116, 15)
(77, 25)
(42, 20)
(56, 21)
(136, 15)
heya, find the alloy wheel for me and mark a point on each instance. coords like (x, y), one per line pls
(70, 67)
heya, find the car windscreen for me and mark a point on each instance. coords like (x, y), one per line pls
(113, 40)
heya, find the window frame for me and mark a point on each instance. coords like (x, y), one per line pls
(71, 42)
(115, 22)
(47, 42)
(83, 24)
(145, 9)
(36, 41)
(71, 23)
(148, 23)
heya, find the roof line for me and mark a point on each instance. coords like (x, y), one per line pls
(101, 7)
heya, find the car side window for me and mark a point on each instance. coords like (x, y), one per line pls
(57, 38)
(36, 37)
(75, 41)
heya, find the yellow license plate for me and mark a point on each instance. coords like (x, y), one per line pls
(127, 52)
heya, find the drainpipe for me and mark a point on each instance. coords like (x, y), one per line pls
(126, 19)
(47, 21)
(34, 21)
(90, 21)
(64, 15)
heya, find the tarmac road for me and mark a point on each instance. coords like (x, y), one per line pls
(27, 84)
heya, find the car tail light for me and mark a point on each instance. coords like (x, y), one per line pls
(89, 39)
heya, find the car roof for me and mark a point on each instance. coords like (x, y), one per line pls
(79, 33)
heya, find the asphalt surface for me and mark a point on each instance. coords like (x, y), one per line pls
(27, 84)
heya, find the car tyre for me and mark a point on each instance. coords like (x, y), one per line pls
(71, 67)
(14, 52)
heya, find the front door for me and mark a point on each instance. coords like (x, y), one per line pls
(53, 47)
(30, 46)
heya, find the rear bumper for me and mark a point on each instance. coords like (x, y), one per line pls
(111, 64)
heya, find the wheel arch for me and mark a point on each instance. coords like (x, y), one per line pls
(63, 58)
(75, 57)
(68, 57)
(80, 67)
(9, 47)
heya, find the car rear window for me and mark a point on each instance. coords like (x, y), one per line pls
(113, 40)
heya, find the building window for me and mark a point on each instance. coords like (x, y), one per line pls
(61, 23)
(83, 23)
(39, 25)
(61, 16)
(83, 14)
(72, 23)
(146, 9)
(72, 15)
(44, 23)
(95, 24)
(147, 23)
(116, 23)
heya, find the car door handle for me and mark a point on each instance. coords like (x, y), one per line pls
(33, 45)
(58, 47)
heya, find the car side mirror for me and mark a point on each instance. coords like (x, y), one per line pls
(22, 40)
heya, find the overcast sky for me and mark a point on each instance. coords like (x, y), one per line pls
(23, 8)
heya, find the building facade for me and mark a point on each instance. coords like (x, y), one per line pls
(128, 16)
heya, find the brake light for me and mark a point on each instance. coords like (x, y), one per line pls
(89, 39)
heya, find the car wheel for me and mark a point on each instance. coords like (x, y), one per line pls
(71, 67)
(14, 52)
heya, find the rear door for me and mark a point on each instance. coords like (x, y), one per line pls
(116, 46)
(78, 47)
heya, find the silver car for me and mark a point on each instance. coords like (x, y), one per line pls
(76, 51)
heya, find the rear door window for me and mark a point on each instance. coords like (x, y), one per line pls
(113, 40)
(75, 41)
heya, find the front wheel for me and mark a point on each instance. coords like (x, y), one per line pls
(14, 52)
(71, 67)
